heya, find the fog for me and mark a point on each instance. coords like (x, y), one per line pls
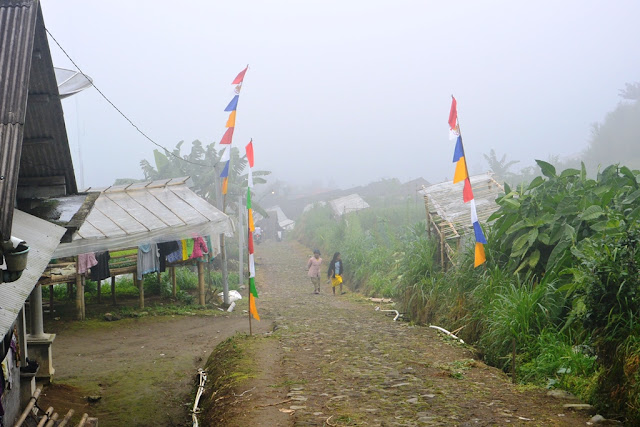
(343, 92)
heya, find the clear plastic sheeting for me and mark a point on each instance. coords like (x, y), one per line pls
(71, 82)
(152, 212)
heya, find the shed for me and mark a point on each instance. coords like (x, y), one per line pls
(450, 218)
(347, 204)
(125, 216)
(35, 162)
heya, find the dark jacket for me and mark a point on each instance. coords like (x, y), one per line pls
(332, 268)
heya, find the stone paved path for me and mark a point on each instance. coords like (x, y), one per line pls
(344, 363)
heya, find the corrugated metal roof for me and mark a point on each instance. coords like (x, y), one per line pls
(33, 138)
(451, 214)
(17, 29)
(347, 204)
(157, 211)
(42, 237)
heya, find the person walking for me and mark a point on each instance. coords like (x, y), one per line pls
(313, 270)
(335, 272)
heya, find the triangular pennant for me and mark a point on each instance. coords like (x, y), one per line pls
(453, 113)
(225, 171)
(233, 104)
(252, 266)
(240, 77)
(461, 171)
(467, 193)
(228, 135)
(458, 151)
(231, 122)
(480, 256)
(249, 150)
(252, 304)
(225, 185)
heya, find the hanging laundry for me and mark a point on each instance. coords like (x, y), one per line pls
(200, 248)
(165, 249)
(100, 271)
(176, 255)
(189, 248)
(148, 259)
(185, 255)
(85, 262)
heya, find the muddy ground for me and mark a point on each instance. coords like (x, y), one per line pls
(331, 360)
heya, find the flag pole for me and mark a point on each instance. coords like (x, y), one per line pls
(462, 142)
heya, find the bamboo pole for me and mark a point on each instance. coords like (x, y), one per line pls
(99, 291)
(113, 290)
(46, 416)
(52, 420)
(201, 283)
(83, 420)
(66, 418)
(29, 407)
(173, 282)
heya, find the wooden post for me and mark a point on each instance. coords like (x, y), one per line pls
(69, 290)
(79, 292)
(99, 291)
(29, 407)
(173, 282)
(201, 283)
(113, 290)
(140, 284)
(84, 307)
(426, 207)
(51, 300)
(159, 283)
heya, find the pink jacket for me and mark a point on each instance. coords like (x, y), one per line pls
(314, 267)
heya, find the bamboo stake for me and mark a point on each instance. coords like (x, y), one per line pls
(29, 407)
(52, 420)
(46, 416)
(83, 420)
(99, 291)
(66, 418)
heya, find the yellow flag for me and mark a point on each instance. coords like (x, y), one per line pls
(231, 123)
(252, 227)
(461, 171)
(225, 185)
(480, 256)
(252, 307)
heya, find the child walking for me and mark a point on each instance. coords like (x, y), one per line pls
(313, 267)
(335, 272)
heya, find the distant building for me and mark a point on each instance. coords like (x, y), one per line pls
(348, 204)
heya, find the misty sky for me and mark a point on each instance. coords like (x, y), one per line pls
(342, 91)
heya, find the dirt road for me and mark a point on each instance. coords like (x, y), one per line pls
(335, 360)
